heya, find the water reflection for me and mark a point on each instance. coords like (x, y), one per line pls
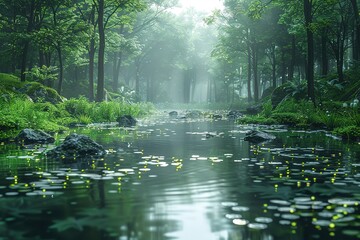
(185, 180)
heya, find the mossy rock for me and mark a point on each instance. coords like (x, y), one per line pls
(11, 85)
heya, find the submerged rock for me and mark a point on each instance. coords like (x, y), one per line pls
(75, 147)
(31, 136)
(258, 136)
(126, 121)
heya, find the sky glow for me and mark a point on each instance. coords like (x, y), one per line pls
(200, 5)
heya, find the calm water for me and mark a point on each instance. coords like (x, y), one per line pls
(166, 180)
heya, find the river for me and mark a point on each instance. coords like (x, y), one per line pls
(185, 180)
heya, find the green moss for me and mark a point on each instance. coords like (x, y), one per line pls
(348, 132)
(289, 118)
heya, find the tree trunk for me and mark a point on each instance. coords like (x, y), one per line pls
(137, 80)
(293, 57)
(356, 42)
(273, 56)
(324, 56)
(283, 67)
(249, 75)
(310, 50)
(255, 72)
(117, 72)
(101, 56)
(27, 42)
(23, 61)
(61, 68)
(91, 69)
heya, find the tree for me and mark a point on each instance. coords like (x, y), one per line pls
(106, 9)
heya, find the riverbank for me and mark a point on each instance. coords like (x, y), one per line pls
(32, 105)
(340, 119)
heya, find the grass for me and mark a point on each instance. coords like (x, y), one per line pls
(18, 111)
(331, 116)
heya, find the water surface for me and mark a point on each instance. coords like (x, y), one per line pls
(185, 180)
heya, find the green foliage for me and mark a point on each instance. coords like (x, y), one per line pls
(43, 74)
(267, 109)
(290, 118)
(348, 132)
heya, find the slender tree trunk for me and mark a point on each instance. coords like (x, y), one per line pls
(324, 55)
(255, 72)
(27, 42)
(23, 61)
(356, 42)
(137, 79)
(293, 57)
(273, 56)
(92, 55)
(101, 73)
(61, 68)
(283, 67)
(91, 69)
(117, 72)
(310, 50)
(249, 75)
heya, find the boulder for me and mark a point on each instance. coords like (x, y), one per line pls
(31, 136)
(173, 114)
(126, 121)
(254, 136)
(39, 93)
(76, 147)
(234, 114)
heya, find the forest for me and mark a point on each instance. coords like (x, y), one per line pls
(179, 119)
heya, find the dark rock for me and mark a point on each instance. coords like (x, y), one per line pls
(173, 114)
(258, 136)
(126, 121)
(76, 147)
(30, 136)
(234, 114)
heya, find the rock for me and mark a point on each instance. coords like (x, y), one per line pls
(234, 114)
(126, 121)
(76, 147)
(30, 136)
(173, 114)
(40, 93)
(258, 136)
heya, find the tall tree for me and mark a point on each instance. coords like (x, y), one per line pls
(308, 16)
